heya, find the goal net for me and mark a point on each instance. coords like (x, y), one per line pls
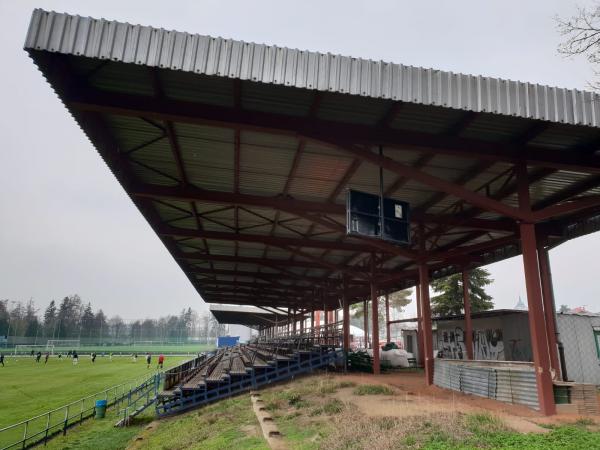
(25, 349)
(64, 344)
(146, 343)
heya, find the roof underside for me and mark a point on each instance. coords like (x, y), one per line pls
(243, 173)
(249, 316)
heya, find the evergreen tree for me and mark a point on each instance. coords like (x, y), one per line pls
(100, 324)
(31, 320)
(87, 321)
(4, 317)
(449, 300)
(50, 319)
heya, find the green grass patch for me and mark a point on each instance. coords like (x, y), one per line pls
(229, 424)
(30, 388)
(333, 406)
(373, 389)
(99, 434)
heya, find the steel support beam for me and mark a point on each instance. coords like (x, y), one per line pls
(268, 240)
(375, 322)
(302, 208)
(387, 318)
(420, 342)
(537, 320)
(468, 322)
(426, 316)
(366, 323)
(346, 315)
(92, 100)
(549, 309)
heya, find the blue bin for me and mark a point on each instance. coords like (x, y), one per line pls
(100, 409)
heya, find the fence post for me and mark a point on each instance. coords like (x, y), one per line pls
(25, 433)
(66, 421)
(47, 429)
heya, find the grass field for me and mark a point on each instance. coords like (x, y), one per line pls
(311, 416)
(180, 349)
(320, 412)
(30, 388)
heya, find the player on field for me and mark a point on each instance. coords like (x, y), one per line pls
(94, 357)
(2, 359)
(161, 360)
(32, 353)
(148, 360)
(46, 357)
(38, 356)
(75, 357)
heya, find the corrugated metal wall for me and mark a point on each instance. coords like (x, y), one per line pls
(135, 44)
(504, 381)
(581, 356)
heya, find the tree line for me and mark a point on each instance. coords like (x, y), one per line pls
(72, 318)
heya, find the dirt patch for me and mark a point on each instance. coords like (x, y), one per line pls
(413, 398)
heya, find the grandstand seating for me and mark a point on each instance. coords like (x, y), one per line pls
(231, 370)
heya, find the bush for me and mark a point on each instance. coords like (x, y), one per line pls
(373, 389)
(334, 406)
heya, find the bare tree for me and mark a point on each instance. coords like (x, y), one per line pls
(581, 34)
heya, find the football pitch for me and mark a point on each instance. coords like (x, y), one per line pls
(29, 388)
(140, 349)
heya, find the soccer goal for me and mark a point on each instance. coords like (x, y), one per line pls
(64, 344)
(25, 349)
(147, 343)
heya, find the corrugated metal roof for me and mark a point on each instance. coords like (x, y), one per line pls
(226, 58)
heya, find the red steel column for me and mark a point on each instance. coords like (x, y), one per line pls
(427, 331)
(346, 306)
(420, 346)
(549, 309)
(387, 318)
(537, 321)
(468, 323)
(366, 323)
(375, 321)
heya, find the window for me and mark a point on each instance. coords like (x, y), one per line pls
(597, 339)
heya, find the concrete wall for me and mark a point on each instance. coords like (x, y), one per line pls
(581, 356)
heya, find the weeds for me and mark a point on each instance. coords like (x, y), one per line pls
(373, 389)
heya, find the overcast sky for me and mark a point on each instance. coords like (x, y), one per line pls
(66, 226)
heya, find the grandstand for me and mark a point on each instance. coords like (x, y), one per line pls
(238, 136)
(233, 370)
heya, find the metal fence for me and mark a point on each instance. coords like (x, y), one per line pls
(42, 427)
(507, 381)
